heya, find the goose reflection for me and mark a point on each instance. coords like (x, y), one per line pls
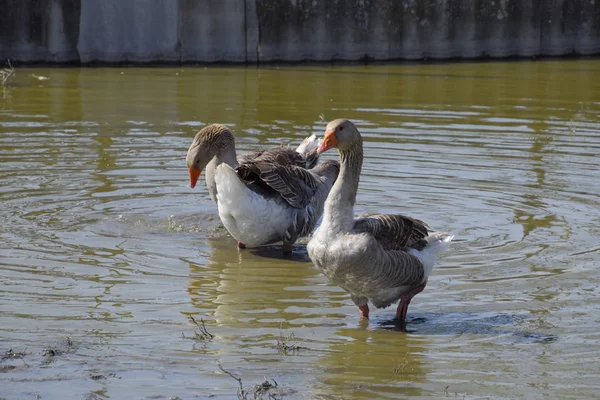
(533, 213)
(365, 364)
(542, 226)
(253, 288)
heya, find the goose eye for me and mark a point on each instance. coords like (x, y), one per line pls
(341, 128)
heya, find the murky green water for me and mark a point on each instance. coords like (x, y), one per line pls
(103, 242)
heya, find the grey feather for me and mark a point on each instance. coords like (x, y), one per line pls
(294, 184)
(394, 231)
(376, 257)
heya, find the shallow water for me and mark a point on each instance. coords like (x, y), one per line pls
(106, 252)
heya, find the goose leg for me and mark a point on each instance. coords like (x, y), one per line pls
(364, 311)
(241, 245)
(405, 301)
(362, 304)
(287, 248)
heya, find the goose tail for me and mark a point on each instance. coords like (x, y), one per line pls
(308, 149)
(437, 242)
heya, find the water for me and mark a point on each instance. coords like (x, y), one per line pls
(106, 252)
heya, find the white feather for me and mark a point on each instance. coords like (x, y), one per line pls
(309, 144)
(250, 218)
(438, 242)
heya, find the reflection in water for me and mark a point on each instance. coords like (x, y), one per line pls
(240, 288)
(368, 364)
(532, 197)
(105, 162)
(101, 239)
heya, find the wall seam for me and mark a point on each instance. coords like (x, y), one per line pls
(246, 32)
(179, 46)
(258, 33)
(77, 45)
(541, 27)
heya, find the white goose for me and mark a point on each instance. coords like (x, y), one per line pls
(263, 197)
(376, 257)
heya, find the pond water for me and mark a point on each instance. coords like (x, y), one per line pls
(105, 251)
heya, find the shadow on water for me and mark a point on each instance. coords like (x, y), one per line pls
(459, 323)
(299, 253)
(222, 241)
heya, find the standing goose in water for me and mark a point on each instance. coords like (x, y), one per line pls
(266, 196)
(376, 257)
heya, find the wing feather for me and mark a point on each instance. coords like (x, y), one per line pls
(280, 155)
(394, 231)
(294, 184)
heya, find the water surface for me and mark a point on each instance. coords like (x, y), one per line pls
(105, 252)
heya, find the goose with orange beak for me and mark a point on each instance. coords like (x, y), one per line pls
(381, 258)
(266, 196)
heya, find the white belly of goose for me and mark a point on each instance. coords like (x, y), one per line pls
(249, 217)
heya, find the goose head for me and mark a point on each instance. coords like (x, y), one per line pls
(340, 133)
(207, 144)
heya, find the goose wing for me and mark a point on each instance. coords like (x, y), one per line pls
(294, 184)
(397, 233)
(249, 156)
(280, 155)
(394, 231)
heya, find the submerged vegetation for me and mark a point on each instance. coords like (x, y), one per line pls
(11, 354)
(8, 358)
(289, 344)
(267, 389)
(6, 74)
(202, 334)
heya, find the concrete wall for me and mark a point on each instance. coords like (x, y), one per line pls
(146, 31)
(131, 30)
(39, 30)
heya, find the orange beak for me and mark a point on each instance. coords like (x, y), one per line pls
(194, 175)
(329, 141)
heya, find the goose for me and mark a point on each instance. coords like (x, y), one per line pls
(263, 197)
(380, 258)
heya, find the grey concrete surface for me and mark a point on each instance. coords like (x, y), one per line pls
(253, 31)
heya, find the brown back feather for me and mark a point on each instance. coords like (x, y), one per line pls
(294, 184)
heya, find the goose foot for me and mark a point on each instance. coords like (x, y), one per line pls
(287, 248)
(364, 311)
(241, 245)
(405, 301)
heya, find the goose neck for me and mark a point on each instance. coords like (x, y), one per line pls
(338, 214)
(226, 154)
